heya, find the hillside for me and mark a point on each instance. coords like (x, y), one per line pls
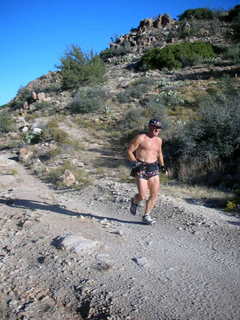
(69, 248)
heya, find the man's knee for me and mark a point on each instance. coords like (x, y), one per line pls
(153, 197)
(142, 196)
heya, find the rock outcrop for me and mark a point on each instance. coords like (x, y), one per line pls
(149, 33)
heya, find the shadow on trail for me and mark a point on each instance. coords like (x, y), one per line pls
(44, 206)
(235, 223)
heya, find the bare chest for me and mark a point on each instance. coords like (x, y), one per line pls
(150, 145)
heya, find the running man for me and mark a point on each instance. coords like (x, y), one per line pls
(146, 159)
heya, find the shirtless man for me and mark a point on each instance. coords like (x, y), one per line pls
(146, 158)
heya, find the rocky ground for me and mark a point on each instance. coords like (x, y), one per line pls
(81, 255)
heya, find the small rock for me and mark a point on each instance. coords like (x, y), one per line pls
(75, 243)
(68, 178)
(118, 232)
(25, 154)
(140, 261)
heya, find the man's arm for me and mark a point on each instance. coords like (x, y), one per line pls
(133, 146)
(160, 154)
(161, 160)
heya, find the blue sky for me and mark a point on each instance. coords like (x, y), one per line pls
(35, 34)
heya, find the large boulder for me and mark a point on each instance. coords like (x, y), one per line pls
(68, 178)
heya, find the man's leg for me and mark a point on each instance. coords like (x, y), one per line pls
(142, 186)
(154, 187)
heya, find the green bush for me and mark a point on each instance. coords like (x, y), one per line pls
(236, 29)
(54, 176)
(177, 55)
(234, 18)
(6, 122)
(233, 53)
(43, 105)
(135, 91)
(88, 100)
(23, 94)
(78, 69)
(136, 119)
(199, 13)
(53, 132)
(208, 149)
(233, 13)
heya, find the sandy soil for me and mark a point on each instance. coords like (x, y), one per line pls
(81, 255)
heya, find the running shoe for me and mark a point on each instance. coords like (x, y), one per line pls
(147, 219)
(133, 207)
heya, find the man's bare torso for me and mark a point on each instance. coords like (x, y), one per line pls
(148, 148)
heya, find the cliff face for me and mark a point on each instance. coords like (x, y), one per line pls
(150, 32)
(162, 30)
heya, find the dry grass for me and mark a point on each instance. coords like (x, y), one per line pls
(196, 192)
(54, 175)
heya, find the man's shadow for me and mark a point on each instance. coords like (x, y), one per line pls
(37, 205)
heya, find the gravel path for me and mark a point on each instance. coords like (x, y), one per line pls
(81, 255)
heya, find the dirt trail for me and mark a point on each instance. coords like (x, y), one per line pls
(185, 267)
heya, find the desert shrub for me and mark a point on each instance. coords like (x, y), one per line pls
(177, 55)
(109, 53)
(6, 122)
(233, 53)
(23, 94)
(208, 149)
(31, 137)
(171, 98)
(123, 97)
(136, 119)
(78, 68)
(53, 132)
(234, 18)
(43, 105)
(54, 176)
(234, 203)
(147, 82)
(88, 100)
(236, 29)
(135, 91)
(233, 13)
(139, 117)
(52, 87)
(199, 13)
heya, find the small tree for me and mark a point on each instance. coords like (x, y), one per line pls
(6, 123)
(78, 68)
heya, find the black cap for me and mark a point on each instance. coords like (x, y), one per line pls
(155, 123)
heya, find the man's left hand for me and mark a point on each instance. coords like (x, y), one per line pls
(163, 169)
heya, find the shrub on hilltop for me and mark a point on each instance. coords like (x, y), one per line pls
(177, 55)
(199, 13)
(233, 14)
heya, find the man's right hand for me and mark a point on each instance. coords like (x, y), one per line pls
(134, 164)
